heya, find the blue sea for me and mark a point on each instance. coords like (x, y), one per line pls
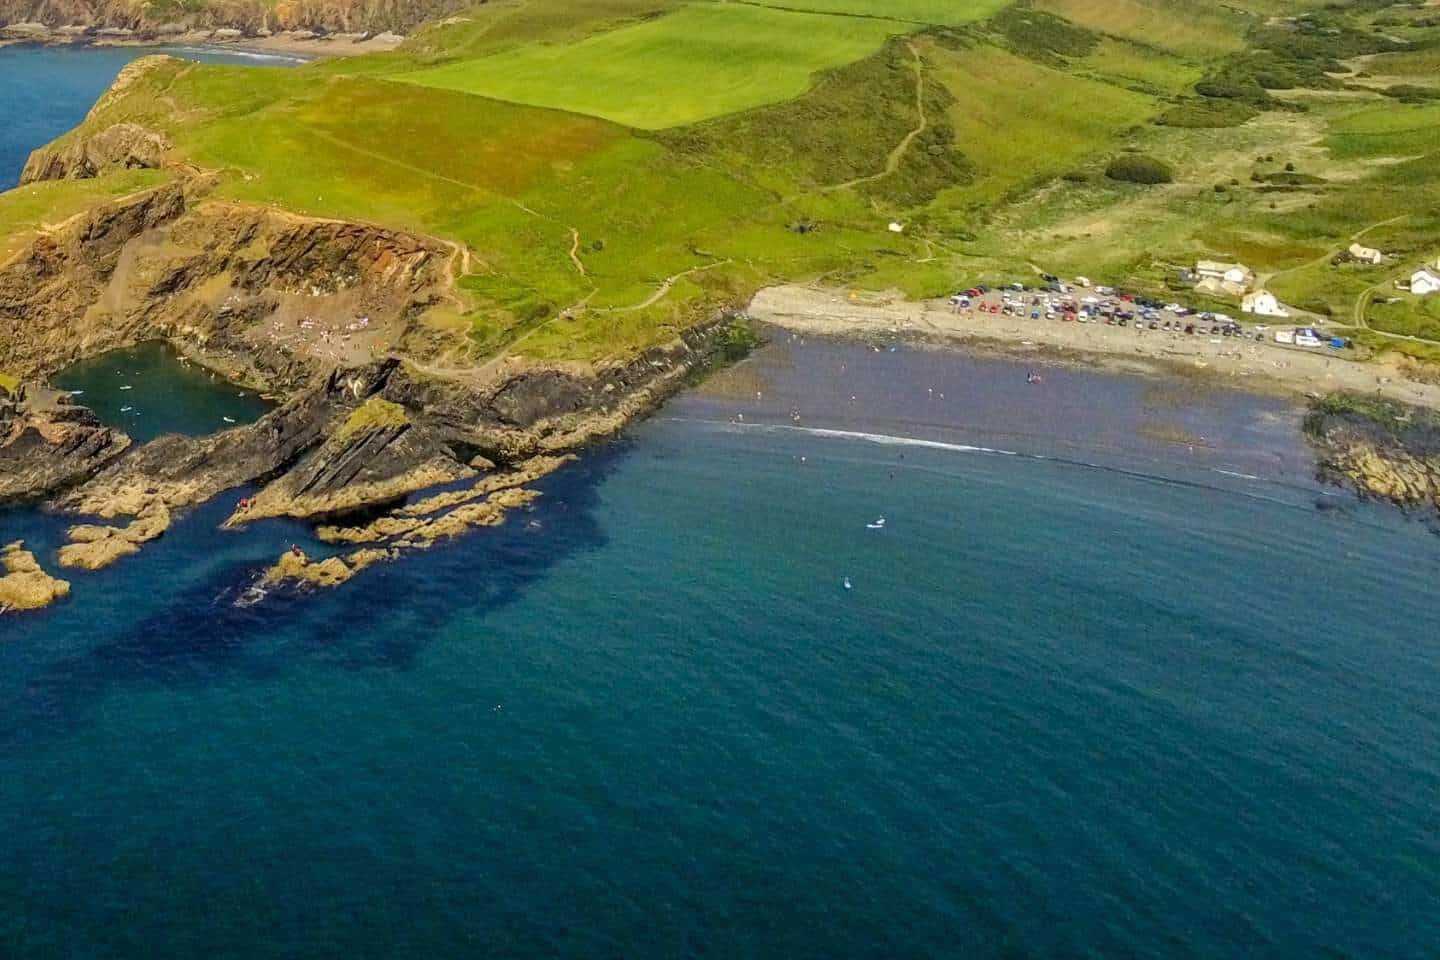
(48, 90)
(1116, 677)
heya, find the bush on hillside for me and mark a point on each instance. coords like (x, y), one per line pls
(1043, 36)
(1197, 114)
(1411, 93)
(1139, 168)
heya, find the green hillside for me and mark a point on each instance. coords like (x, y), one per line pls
(617, 169)
(701, 61)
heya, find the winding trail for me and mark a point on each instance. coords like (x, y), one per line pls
(897, 155)
(663, 289)
(575, 251)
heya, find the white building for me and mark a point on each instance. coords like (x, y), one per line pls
(1262, 303)
(1365, 254)
(1424, 282)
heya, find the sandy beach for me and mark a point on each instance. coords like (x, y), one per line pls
(1248, 364)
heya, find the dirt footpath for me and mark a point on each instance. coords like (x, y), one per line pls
(1244, 363)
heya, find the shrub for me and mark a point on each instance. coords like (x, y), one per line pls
(1411, 93)
(1139, 168)
(1199, 113)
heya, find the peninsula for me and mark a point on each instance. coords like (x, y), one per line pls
(458, 259)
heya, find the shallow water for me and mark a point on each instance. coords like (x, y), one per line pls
(48, 90)
(148, 392)
(1108, 703)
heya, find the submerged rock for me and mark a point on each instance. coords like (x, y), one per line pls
(25, 586)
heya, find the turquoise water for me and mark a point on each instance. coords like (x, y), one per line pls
(147, 392)
(49, 89)
(1143, 706)
(1091, 692)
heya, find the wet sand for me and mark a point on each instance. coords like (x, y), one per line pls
(1246, 364)
(1168, 427)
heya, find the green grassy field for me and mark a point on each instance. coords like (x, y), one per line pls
(942, 12)
(1023, 123)
(1196, 28)
(704, 60)
(1385, 131)
(1132, 65)
(1422, 64)
(1410, 316)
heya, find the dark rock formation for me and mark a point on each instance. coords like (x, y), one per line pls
(45, 450)
(1381, 448)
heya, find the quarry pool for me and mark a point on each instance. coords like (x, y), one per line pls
(149, 391)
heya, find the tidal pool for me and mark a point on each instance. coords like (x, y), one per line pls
(149, 391)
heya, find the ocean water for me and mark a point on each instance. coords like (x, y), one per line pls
(148, 392)
(48, 90)
(1115, 678)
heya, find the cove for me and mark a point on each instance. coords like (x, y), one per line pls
(148, 391)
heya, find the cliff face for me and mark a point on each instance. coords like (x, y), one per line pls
(247, 15)
(281, 298)
(122, 146)
(47, 447)
(340, 317)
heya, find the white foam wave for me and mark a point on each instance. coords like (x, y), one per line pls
(245, 54)
(884, 439)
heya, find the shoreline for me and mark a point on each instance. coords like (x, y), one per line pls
(1248, 365)
(286, 46)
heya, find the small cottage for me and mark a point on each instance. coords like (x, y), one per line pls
(1231, 278)
(1424, 282)
(1361, 254)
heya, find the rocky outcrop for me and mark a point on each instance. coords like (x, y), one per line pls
(183, 471)
(278, 299)
(108, 18)
(119, 147)
(92, 546)
(297, 568)
(377, 455)
(25, 586)
(45, 448)
(1381, 448)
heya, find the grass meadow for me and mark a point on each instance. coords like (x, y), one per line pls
(1195, 28)
(941, 12)
(701, 61)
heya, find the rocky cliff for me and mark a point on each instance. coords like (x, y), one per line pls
(282, 298)
(337, 317)
(48, 446)
(149, 19)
